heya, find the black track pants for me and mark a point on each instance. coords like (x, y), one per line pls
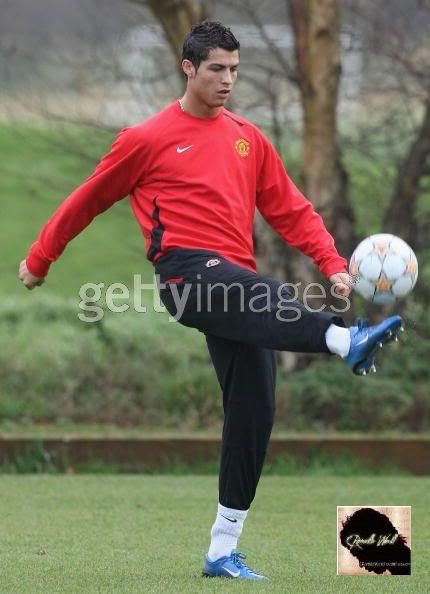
(245, 317)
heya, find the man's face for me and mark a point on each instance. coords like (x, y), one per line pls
(215, 77)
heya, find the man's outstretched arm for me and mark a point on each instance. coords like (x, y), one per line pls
(115, 176)
(290, 214)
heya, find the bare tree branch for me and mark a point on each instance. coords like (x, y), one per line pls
(176, 18)
(400, 217)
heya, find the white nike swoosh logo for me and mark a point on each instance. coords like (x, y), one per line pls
(365, 339)
(182, 150)
(232, 573)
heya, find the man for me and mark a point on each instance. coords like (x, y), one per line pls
(195, 173)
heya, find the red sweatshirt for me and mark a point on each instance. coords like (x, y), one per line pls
(193, 183)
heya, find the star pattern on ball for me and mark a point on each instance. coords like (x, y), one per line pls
(383, 285)
(411, 267)
(381, 248)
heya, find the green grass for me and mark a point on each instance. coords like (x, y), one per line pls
(40, 167)
(66, 429)
(146, 534)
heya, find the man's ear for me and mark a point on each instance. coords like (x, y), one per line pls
(188, 68)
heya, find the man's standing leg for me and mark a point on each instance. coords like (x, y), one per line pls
(247, 375)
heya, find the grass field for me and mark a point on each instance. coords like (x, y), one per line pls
(139, 534)
(40, 167)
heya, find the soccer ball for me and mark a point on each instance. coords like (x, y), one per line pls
(384, 268)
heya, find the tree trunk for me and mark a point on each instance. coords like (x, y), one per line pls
(400, 216)
(176, 18)
(316, 26)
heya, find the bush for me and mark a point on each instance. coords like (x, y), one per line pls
(132, 369)
(327, 396)
(125, 369)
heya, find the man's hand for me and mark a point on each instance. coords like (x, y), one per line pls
(342, 282)
(29, 280)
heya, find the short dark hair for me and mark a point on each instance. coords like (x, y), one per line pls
(204, 37)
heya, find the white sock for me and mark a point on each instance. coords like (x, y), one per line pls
(226, 531)
(338, 340)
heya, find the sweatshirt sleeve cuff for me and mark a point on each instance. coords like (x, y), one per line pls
(37, 266)
(334, 266)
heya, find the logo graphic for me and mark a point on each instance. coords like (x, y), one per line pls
(242, 146)
(213, 262)
(365, 339)
(229, 519)
(232, 573)
(183, 149)
(174, 281)
(374, 540)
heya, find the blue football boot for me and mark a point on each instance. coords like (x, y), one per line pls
(366, 340)
(230, 567)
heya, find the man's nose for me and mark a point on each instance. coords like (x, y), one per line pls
(227, 78)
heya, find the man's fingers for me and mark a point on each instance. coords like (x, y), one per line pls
(343, 284)
(29, 280)
(22, 271)
(31, 284)
(342, 289)
(346, 279)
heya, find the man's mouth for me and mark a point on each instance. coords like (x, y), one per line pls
(224, 92)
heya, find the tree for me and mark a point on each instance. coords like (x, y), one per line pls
(397, 43)
(316, 26)
(400, 217)
(176, 17)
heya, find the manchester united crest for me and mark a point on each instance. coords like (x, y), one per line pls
(242, 146)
